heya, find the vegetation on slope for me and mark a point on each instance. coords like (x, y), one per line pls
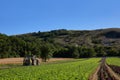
(62, 43)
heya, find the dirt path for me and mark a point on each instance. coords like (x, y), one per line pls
(104, 72)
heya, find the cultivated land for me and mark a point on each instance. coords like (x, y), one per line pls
(114, 64)
(20, 60)
(105, 71)
(78, 69)
(114, 61)
(65, 69)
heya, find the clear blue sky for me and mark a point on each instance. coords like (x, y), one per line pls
(23, 16)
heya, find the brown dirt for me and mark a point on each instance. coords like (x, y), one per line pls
(104, 72)
(20, 60)
(112, 73)
(115, 68)
(94, 75)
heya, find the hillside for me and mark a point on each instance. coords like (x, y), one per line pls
(105, 37)
(63, 43)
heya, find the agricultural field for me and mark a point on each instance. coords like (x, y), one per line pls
(106, 71)
(113, 61)
(114, 64)
(79, 69)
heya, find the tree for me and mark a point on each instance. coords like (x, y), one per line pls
(112, 52)
(119, 53)
(76, 53)
(92, 52)
(101, 53)
(46, 52)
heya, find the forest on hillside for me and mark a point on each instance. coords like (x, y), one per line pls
(62, 43)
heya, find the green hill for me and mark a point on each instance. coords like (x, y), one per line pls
(63, 43)
(104, 37)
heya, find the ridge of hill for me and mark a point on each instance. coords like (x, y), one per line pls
(105, 37)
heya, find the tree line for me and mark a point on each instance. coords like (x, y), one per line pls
(21, 46)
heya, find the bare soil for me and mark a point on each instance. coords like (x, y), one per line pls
(104, 72)
(115, 68)
(20, 60)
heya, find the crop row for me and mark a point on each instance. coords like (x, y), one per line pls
(113, 61)
(77, 70)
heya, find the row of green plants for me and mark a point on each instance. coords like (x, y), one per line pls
(113, 61)
(79, 69)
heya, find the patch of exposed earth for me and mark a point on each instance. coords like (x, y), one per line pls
(105, 72)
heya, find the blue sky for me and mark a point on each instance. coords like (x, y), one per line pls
(23, 16)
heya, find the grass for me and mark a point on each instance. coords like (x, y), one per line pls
(79, 69)
(113, 61)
